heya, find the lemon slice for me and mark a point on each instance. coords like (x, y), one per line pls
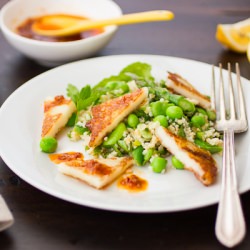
(234, 36)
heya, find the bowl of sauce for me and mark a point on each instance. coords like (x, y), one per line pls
(25, 29)
(17, 17)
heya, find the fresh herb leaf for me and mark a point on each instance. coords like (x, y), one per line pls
(84, 103)
(141, 70)
(85, 92)
(101, 85)
(82, 99)
(133, 71)
(87, 96)
(73, 93)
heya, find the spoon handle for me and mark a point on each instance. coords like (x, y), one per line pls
(148, 16)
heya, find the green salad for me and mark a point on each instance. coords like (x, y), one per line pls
(135, 135)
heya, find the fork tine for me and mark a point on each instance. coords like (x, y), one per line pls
(222, 98)
(213, 104)
(231, 93)
(243, 115)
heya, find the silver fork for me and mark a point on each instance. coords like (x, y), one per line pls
(230, 225)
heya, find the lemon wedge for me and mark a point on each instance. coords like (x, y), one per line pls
(235, 36)
(248, 52)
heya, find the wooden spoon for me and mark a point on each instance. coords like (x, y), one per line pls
(58, 25)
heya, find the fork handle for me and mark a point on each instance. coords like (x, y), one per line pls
(230, 225)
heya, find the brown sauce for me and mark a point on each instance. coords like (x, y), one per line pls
(132, 183)
(25, 30)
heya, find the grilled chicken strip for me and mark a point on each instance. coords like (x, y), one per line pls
(195, 159)
(97, 173)
(181, 86)
(57, 112)
(108, 115)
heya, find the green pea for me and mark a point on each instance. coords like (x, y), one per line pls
(48, 144)
(146, 134)
(157, 108)
(176, 163)
(198, 120)
(211, 115)
(138, 155)
(187, 106)
(133, 121)
(174, 112)
(115, 135)
(200, 135)
(158, 164)
(201, 111)
(162, 120)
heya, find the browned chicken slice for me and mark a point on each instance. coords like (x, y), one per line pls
(181, 86)
(195, 159)
(106, 116)
(97, 173)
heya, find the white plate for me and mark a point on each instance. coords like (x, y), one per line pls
(20, 127)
